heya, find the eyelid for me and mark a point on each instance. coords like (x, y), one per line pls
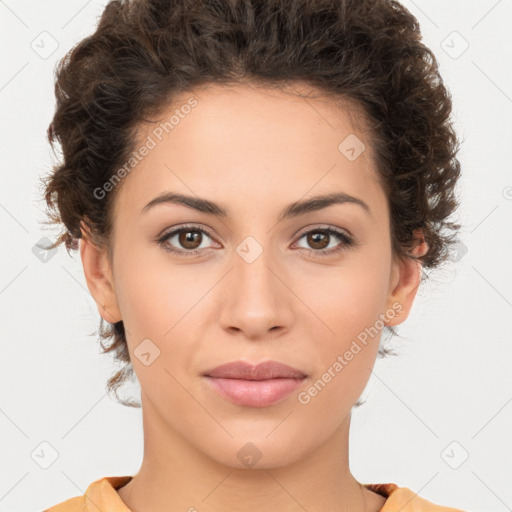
(168, 233)
(307, 229)
(346, 238)
(189, 225)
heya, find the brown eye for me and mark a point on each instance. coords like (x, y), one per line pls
(186, 240)
(319, 239)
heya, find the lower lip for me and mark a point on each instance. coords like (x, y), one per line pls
(254, 393)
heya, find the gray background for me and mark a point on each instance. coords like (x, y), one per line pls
(437, 418)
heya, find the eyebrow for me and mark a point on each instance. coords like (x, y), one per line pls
(293, 210)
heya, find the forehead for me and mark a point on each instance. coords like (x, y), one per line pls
(255, 142)
(298, 109)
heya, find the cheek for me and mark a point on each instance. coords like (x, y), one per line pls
(348, 303)
(152, 295)
(345, 353)
(348, 298)
(161, 302)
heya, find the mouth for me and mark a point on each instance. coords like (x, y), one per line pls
(258, 385)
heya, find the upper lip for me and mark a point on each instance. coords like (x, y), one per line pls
(261, 371)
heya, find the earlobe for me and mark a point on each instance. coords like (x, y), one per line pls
(406, 281)
(98, 276)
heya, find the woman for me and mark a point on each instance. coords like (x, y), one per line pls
(256, 187)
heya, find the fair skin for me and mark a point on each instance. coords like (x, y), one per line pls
(253, 151)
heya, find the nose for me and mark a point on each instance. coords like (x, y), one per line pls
(256, 300)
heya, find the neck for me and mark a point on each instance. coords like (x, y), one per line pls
(176, 475)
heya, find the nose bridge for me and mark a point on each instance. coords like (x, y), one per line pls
(256, 297)
(253, 266)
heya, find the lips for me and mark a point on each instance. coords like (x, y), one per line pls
(255, 386)
(261, 371)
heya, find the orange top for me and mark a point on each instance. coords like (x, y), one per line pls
(102, 497)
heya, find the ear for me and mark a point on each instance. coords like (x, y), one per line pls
(405, 281)
(98, 276)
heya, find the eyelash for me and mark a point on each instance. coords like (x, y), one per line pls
(347, 241)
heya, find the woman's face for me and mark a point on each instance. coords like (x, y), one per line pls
(257, 285)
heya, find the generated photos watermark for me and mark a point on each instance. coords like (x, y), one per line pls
(152, 140)
(304, 397)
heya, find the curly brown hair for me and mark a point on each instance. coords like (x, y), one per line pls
(144, 52)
